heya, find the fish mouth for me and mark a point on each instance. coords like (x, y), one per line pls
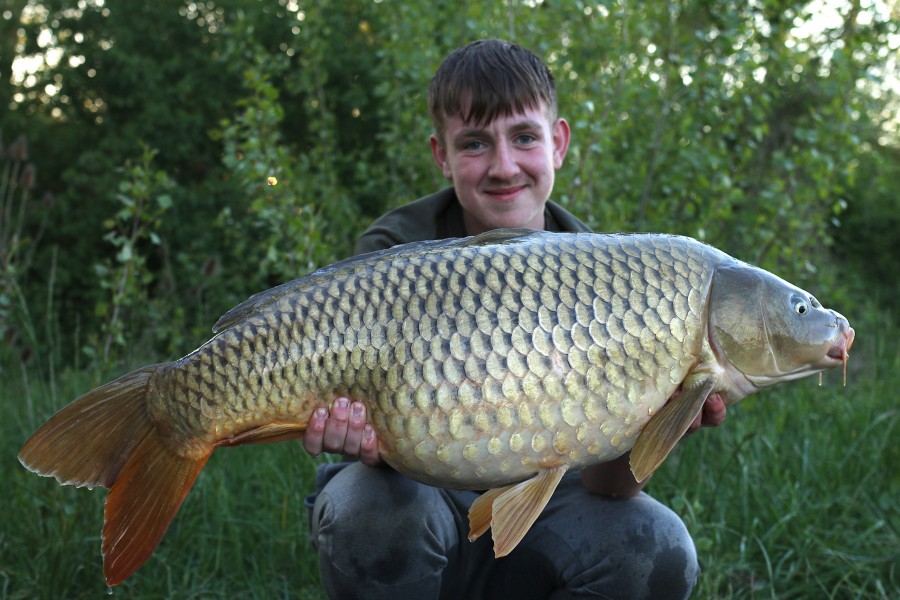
(839, 353)
(841, 348)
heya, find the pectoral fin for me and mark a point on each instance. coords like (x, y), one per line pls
(668, 426)
(511, 511)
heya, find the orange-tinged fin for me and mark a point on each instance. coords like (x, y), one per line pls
(107, 438)
(86, 443)
(264, 434)
(481, 511)
(667, 427)
(514, 509)
(142, 503)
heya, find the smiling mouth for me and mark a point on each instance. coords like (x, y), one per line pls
(502, 192)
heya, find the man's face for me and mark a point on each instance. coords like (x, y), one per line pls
(503, 171)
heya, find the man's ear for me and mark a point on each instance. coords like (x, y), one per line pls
(561, 136)
(439, 152)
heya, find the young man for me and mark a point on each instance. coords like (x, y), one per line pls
(498, 139)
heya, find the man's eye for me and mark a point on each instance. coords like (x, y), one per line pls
(525, 139)
(473, 145)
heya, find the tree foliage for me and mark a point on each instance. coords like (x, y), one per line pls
(763, 127)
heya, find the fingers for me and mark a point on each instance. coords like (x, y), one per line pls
(344, 430)
(315, 430)
(712, 415)
(368, 449)
(713, 411)
(336, 427)
(349, 445)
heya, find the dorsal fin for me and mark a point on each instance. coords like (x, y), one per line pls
(502, 236)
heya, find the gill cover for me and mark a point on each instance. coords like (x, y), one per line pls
(768, 329)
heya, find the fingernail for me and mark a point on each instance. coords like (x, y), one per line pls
(341, 403)
(358, 409)
(368, 433)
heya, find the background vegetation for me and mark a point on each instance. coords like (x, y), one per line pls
(137, 139)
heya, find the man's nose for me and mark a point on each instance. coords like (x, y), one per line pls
(503, 162)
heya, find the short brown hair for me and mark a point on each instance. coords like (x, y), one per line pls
(491, 78)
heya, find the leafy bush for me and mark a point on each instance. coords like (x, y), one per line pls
(757, 127)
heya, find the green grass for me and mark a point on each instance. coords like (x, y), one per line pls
(796, 496)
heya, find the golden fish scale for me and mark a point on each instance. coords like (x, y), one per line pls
(479, 364)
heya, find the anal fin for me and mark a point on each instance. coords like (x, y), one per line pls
(511, 511)
(264, 434)
(668, 426)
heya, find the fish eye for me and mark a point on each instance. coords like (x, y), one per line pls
(800, 305)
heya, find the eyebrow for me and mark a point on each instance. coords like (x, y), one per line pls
(518, 126)
(527, 124)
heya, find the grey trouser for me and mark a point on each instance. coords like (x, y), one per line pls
(382, 535)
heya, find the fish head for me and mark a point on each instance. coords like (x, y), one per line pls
(765, 330)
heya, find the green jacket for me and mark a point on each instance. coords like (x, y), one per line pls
(440, 216)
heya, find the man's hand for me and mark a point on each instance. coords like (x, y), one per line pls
(712, 415)
(344, 431)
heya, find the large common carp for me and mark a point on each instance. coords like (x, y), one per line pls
(493, 363)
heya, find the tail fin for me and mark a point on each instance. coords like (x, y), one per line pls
(106, 438)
